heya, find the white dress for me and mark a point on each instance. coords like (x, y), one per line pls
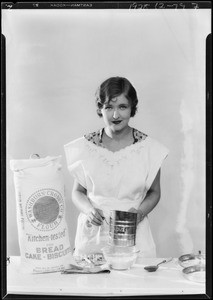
(114, 181)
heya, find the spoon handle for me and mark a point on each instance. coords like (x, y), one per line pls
(164, 261)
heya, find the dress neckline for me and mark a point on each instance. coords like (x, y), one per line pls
(95, 138)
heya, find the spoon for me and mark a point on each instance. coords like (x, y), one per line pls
(154, 268)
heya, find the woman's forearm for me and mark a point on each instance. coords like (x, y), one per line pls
(150, 201)
(152, 197)
(81, 201)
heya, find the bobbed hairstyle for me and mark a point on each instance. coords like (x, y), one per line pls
(114, 87)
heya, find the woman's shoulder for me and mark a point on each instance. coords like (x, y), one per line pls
(81, 143)
(75, 150)
(75, 143)
(150, 142)
(156, 146)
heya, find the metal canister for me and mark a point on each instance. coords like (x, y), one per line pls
(122, 228)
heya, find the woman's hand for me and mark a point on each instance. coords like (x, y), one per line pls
(140, 215)
(95, 217)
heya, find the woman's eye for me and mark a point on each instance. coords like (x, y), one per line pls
(108, 107)
(123, 107)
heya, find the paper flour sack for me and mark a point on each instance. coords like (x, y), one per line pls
(40, 202)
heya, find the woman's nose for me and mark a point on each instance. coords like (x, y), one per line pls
(115, 114)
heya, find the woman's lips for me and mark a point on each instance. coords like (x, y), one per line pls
(116, 122)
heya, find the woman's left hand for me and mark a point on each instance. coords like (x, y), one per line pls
(140, 215)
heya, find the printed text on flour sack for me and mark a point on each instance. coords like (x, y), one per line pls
(46, 238)
(50, 252)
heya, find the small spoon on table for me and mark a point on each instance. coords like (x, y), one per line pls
(154, 268)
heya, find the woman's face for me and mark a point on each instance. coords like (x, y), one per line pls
(116, 113)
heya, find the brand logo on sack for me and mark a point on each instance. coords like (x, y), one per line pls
(45, 209)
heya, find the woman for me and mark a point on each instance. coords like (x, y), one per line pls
(115, 168)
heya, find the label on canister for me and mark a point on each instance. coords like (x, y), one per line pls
(122, 230)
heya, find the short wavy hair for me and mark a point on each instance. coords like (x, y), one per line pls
(114, 87)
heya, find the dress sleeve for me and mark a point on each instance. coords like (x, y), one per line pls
(75, 154)
(156, 155)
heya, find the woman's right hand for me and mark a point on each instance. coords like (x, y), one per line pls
(95, 217)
